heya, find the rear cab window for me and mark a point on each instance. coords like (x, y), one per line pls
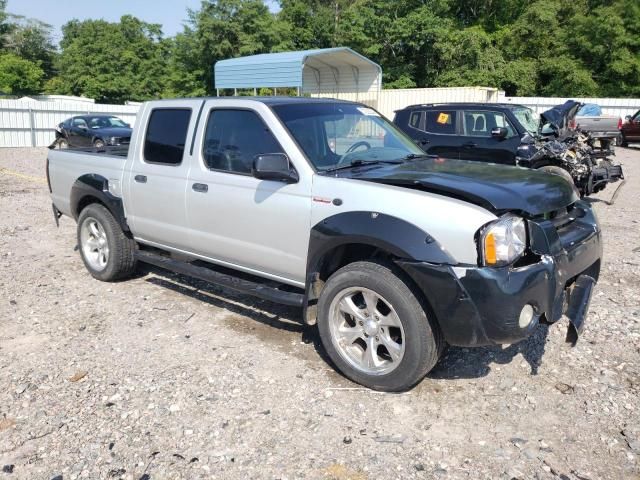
(166, 135)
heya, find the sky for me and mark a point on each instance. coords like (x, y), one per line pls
(169, 13)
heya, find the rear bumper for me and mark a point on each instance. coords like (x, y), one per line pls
(482, 305)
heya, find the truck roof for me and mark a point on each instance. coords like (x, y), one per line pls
(465, 104)
(271, 100)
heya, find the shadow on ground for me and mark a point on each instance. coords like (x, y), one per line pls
(456, 363)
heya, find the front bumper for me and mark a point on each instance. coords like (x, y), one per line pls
(481, 305)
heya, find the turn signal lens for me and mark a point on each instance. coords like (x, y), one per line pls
(503, 241)
(490, 249)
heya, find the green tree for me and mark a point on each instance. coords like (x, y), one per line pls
(19, 76)
(31, 40)
(112, 62)
(220, 29)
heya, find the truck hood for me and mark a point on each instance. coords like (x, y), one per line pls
(560, 116)
(498, 188)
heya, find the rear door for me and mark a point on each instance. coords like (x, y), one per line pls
(259, 226)
(477, 143)
(436, 131)
(157, 171)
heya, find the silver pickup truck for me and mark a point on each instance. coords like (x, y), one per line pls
(325, 205)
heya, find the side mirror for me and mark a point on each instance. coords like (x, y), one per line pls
(627, 119)
(274, 166)
(499, 133)
(128, 125)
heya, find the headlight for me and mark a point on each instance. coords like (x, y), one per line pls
(503, 241)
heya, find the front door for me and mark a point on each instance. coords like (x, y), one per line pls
(235, 219)
(79, 133)
(156, 176)
(632, 129)
(477, 143)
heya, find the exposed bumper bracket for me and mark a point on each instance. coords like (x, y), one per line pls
(579, 300)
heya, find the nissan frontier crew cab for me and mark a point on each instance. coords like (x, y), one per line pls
(325, 205)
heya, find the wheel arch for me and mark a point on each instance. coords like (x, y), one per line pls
(94, 188)
(354, 236)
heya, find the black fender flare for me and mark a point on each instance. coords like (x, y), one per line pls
(395, 236)
(96, 186)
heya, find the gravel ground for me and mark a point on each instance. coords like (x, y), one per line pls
(165, 377)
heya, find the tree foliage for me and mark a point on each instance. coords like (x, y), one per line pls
(539, 47)
(19, 76)
(112, 62)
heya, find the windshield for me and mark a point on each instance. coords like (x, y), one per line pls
(528, 119)
(106, 122)
(340, 134)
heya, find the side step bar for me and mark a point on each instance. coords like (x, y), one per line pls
(256, 289)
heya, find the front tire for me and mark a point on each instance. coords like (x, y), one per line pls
(98, 143)
(63, 144)
(107, 252)
(375, 329)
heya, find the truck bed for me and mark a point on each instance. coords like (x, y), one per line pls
(66, 166)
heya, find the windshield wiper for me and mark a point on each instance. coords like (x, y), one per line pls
(414, 156)
(361, 163)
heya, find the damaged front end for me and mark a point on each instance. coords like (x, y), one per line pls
(558, 145)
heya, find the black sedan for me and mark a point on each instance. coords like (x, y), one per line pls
(92, 131)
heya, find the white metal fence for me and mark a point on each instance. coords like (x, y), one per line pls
(32, 123)
(388, 101)
(619, 107)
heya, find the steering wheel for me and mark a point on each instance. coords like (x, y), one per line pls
(357, 145)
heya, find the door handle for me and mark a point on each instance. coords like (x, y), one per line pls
(469, 145)
(140, 178)
(200, 187)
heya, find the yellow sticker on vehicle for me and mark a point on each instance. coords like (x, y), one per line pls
(443, 118)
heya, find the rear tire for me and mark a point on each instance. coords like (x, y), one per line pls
(375, 329)
(63, 144)
(623, 141)
(561, 172)
(98, 143)
(107, 252)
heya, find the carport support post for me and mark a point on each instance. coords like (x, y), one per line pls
(255, 92)
(217, 92)
(275, 91)
(32, 127)
(298, 90)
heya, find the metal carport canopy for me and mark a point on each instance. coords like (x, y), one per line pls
(328, 70)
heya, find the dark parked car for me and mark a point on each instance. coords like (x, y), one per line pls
(92, 131)
(630, 129)
(512, 135)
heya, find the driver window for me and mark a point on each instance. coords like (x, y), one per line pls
(79, 122)
(480, 123)
(233, 138)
